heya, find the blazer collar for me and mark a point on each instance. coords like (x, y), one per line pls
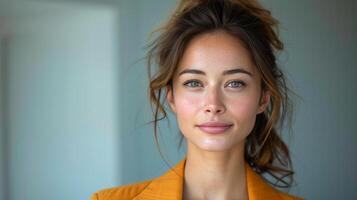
(170, 185)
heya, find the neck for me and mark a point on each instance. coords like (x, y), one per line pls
(215, 175)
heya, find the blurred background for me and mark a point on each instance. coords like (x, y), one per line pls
(74, 106)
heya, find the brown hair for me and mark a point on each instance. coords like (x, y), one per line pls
(249, 22)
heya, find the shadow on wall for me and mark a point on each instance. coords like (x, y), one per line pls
(60, 89)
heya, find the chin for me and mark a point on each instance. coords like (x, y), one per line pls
(214, 145)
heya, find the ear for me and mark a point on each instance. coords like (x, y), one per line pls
(170, 98)
(264, 101)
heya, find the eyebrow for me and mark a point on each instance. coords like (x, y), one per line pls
(227, 72)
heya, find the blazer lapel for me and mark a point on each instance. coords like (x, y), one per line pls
(170, 186)
(258, 189)
(166, 187)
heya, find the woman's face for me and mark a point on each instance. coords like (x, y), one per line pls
(216, 92)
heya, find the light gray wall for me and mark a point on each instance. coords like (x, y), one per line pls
(62, 101)
(140, 159)
(320, 58)
(2, 131)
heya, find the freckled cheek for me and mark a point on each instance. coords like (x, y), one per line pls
(187, 105)
(243, 108)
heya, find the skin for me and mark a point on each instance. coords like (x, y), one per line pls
(215, 162)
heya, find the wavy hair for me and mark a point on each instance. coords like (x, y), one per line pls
(249, 22)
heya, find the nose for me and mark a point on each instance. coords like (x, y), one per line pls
(213, 103)
(214, 109)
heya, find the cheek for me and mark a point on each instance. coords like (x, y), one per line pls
(186, 111)
(186, 105)
(243, 108)
(243, 112)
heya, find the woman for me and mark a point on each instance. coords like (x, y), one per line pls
(217, 66)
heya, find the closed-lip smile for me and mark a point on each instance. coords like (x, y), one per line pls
(214, 127)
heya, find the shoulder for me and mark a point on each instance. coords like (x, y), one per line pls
(259, 187)
(124, 192)
(166, 186)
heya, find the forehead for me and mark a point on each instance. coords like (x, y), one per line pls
(214, 52)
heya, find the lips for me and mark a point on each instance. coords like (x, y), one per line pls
(214, 127)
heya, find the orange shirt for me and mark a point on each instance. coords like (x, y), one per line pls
(170, 187)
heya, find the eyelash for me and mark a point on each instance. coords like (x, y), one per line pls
(187, 83)
(238, 82)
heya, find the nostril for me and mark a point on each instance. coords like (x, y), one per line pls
(214, 109)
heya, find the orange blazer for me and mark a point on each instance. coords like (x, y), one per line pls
(170, 187)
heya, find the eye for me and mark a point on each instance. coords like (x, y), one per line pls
(235, 84)
(192, 83)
